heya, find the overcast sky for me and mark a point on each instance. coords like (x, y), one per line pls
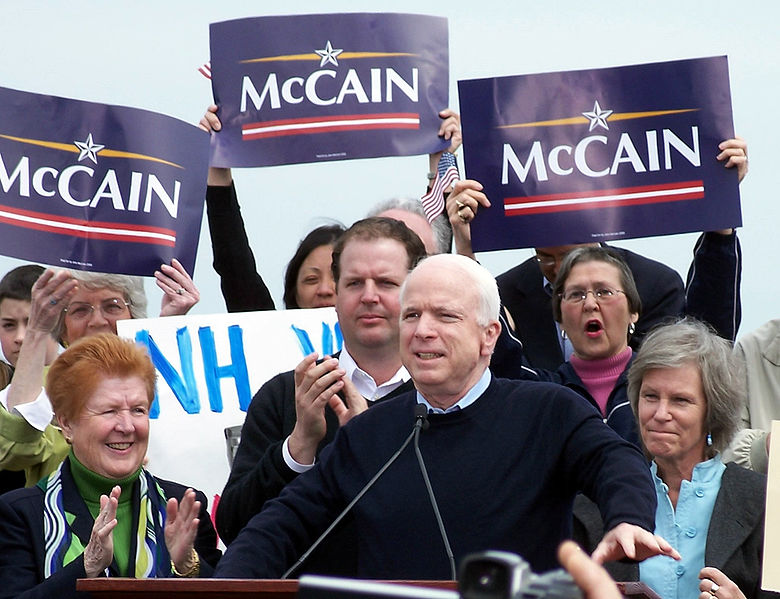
(145, 54)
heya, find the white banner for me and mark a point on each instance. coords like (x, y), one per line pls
(209, 368)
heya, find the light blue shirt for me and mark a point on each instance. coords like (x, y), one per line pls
(685, 528)
(465, 401)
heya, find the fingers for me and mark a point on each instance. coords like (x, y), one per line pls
(319, 381)
(181, 525)
(594, 581)
(315, 385)
(734, 153)
(179, 289)
(666, 547)
(465, 200)
(303, 366)
(715, 584)
(633, 542)
(174, 276)
(606, 549)
(210, 121)
(49, 295)
(450, 129)
(356, 403)
(106, 520)
(182, 514)
(735, 143)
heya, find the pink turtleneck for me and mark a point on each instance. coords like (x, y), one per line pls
(599, 376)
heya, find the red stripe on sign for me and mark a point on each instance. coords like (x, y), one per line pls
(308, 125)
(64, 225)
(604, 198)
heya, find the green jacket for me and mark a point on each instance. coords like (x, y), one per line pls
(23, 447)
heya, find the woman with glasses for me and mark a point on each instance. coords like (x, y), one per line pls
(70, 305)
(596, 303)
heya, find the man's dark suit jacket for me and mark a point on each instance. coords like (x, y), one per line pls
(523, 294)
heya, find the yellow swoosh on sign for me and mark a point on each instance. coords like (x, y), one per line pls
(55, 145)
(615, 116)
(312, 56)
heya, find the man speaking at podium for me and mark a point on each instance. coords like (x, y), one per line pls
(504, 458)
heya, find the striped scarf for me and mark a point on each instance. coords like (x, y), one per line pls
(62, 546)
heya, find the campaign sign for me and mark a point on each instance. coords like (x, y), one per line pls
(312, 88)
(601, 154)
(209, 368)
(98, 187)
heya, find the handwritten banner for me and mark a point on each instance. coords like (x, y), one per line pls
(601, 154)
(312, 88)
(209, 368)
(98, 187)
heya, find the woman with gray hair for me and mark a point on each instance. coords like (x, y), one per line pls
(683, 388)
(69, 305)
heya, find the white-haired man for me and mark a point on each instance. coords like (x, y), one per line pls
(505, 458)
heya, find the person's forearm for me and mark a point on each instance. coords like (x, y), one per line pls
(28, 377)
(219, 177)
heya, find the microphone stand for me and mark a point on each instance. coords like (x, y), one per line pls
(429, 488)
(420, 422)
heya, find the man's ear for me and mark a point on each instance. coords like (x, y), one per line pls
(489, 337)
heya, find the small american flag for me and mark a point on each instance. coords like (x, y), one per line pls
(205, 70)
(446, 176)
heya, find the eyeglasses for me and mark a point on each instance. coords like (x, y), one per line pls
(110, 308)
(602, 295)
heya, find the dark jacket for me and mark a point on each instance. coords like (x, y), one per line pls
(242, 287)
(711, 294)
(504, 470)
(259, 472)
(523, 294)
(22, 542)
(735, 537)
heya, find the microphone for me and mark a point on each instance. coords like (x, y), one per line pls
(422, 416)
(420, 422)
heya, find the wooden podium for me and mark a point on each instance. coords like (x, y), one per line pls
(224, 588)
(210, 588)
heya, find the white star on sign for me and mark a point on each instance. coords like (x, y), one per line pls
(88, 149)
(329, 55)
(598, 118)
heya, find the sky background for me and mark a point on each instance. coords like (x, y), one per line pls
(145, 54)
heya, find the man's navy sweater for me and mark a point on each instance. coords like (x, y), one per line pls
(505, 471)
